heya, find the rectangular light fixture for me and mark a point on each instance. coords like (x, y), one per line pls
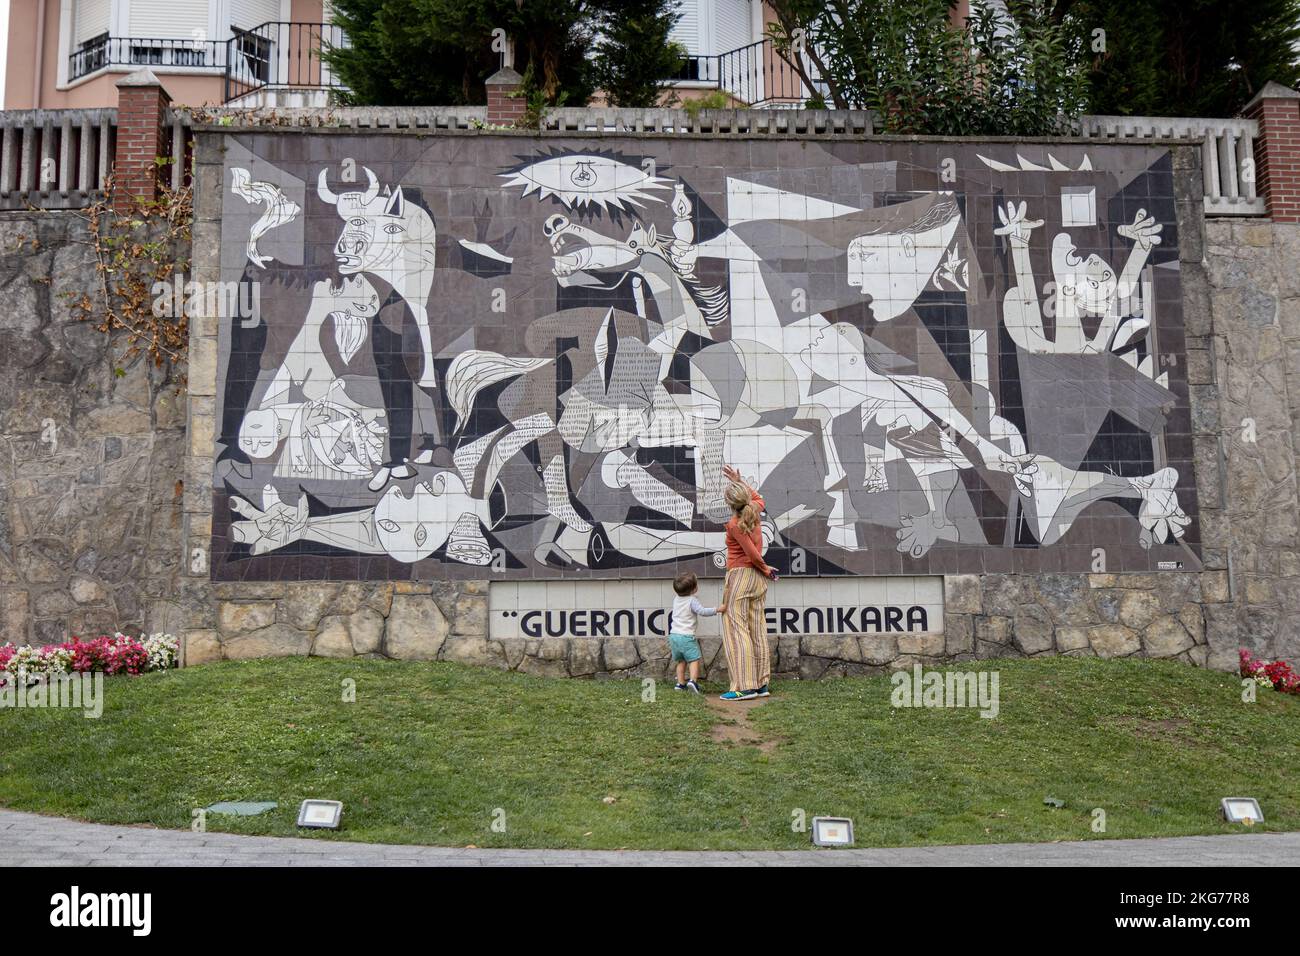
(320, 814)
(1242, 810)
(832, 831)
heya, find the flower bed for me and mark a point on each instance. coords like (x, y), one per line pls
(1275, 674)
(118, 654)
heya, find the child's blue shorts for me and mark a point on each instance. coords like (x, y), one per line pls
(684, 647)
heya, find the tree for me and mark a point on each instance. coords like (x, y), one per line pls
(1011, 69)
(635, 57)
(1185, 57)
(425, 52)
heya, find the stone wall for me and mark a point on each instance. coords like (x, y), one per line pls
(1248, 364)
(91, 452)
(1235, 276)
(111, 527)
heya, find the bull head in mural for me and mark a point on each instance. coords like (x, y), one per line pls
(385, 235)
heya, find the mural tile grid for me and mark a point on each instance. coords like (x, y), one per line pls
(489, 357)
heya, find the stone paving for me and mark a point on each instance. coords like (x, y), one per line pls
(28, 839)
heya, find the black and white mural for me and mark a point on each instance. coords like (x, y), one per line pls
(504, 356)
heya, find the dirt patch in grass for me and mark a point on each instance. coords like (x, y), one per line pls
(1171, 729)
(735, 727)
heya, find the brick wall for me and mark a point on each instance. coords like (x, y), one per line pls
(141, 118)
(504, 106)
(1277, 151)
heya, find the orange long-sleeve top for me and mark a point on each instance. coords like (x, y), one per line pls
(746, 550)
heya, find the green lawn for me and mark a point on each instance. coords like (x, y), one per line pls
(429, 751)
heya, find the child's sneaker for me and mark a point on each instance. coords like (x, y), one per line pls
(693, 687)
(679, 687)
(733, 695)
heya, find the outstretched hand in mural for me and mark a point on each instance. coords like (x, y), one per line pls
(1160, 515)
(272, 526)
(1085, 286)
(406, 527)
(1016, 225)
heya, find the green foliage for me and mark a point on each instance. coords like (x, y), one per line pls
(906, 61)
(439, 52)
(635, 58)
(536, 102)
(1185, 57)
(715, 100)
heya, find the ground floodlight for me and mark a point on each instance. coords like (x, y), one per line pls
(1242, 810)
(832, 831)
(320, 814)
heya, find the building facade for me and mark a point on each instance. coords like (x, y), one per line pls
(70, 53)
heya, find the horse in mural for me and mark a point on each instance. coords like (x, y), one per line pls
(742, 399)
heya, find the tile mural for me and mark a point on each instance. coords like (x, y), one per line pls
(506, 357)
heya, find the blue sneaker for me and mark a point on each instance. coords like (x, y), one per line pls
(763, 692)
(679, 687)
(734, 695)
(693, 687)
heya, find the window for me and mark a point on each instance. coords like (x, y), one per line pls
(1078, 206)
(252, 54)
(189, 55)
(90, 56)
(690, 69)
(146, 55)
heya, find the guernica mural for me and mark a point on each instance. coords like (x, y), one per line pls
(478, 356)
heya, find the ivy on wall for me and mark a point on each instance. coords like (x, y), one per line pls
(134, 253)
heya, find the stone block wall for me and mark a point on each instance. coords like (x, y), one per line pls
(1243, 363)
(1248, 364)
(106, 496)
(986, 616)
(91, 452)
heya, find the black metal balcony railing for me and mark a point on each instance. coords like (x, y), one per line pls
(756, 75)
(144, 51)
(281, 56)
(278, 56)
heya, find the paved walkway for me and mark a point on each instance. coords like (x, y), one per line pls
(29, 839)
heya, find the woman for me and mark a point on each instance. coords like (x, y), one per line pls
(744, 626)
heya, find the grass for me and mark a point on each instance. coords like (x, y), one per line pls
(428, 752)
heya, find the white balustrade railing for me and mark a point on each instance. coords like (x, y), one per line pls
(1227, 153)
(54, 159)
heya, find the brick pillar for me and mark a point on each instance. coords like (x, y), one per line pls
(1277, 151)
(503, 108)
(141, 121)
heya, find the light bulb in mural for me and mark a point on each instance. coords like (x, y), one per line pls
(584, 179)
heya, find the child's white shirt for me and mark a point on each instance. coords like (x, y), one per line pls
(684, 613)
